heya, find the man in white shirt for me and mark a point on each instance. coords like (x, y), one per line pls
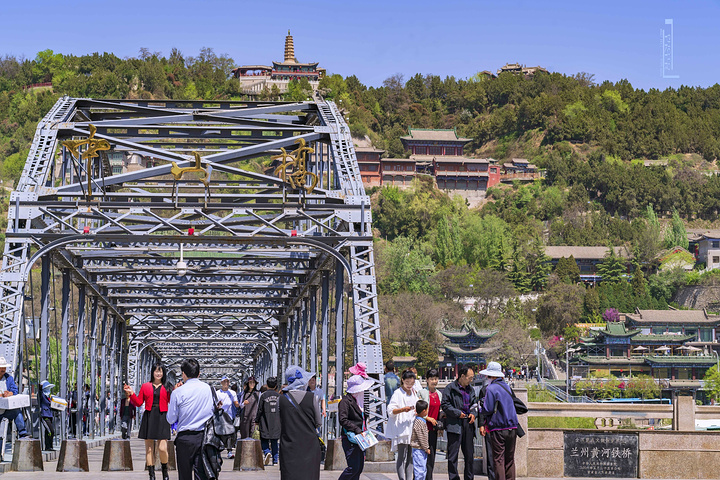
(191, 405)
(228, 398)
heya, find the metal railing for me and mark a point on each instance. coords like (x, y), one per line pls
(561, 396)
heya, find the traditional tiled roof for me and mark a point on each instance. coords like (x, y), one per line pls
(520, 161)
(465, 331)
(365, 145)
(618, 329)
(584, 253)
(432, 135)
(672, 316)
(476, 351)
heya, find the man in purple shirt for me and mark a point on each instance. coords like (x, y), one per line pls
(459, 403)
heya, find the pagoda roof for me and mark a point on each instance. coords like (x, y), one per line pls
(434, 135)
(618, 329)
(520, 161)
(466, 330)
(474, 351)
(297, 64)
(672, 316)
(253, 67)
(364, 144)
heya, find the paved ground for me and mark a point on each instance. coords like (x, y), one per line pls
(95, 460)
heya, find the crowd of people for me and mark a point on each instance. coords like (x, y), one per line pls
(287, 419)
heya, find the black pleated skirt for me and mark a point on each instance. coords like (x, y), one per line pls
(154, 425)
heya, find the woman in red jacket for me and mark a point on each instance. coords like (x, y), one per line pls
(154, 426)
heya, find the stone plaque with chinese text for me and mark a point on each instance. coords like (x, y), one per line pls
(589, 454)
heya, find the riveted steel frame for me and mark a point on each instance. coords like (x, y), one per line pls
(259, 267)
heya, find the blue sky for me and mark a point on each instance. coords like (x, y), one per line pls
(376, 39)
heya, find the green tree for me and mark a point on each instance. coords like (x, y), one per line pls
(676, 235)
(403, 266)
(639, 285)
(560, 306)
(612, 269)
(567, 270)
(427, 357)
(712, 383)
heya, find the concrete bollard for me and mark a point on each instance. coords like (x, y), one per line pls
(171, 457)
(380, 453)
(117, 456)
(27, 456)
(73, 456)
(335, 456)
(248, 455)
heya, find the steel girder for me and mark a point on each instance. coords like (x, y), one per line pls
(257, 268)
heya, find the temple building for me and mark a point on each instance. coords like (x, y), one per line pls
(466, 346)
(254, 79)
(520, 69)
(665, 344)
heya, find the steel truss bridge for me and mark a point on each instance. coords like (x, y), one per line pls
(248, 273)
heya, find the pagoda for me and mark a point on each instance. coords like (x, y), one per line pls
(465, 346)
(255, 79)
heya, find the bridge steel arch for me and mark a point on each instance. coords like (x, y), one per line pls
(249, 271)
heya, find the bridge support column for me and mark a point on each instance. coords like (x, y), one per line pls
(64, 351)
(93, 355)
(325, 337)
(339, 330)
(104, 404)
(80, 359)
(313, 330)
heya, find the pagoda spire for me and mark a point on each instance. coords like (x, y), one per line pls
(289, 49)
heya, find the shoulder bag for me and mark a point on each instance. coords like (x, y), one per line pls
(520, 407)
(221, 421)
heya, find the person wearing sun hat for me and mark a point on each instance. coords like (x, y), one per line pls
(351, 416)
(501, 421)
(46, 413)
(8, 388)
(299, 419)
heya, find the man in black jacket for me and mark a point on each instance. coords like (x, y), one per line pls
(268, 419)
(459, 403)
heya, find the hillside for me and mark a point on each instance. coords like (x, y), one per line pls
(622, 167)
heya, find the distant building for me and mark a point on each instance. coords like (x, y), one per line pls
(587, 258)
(520, 69)
(254, 79)
(440, 153)
(368, 158)
(466, 346)
(665, 344)
(708, 248)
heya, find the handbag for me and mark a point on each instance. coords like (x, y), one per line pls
(222, 424)
(520, 407)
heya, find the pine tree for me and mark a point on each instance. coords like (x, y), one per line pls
(567, 270)
(612, 269)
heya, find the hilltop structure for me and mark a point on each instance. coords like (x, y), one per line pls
(439, 153)
(254, 79)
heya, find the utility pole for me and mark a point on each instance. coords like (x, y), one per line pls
(567, 370)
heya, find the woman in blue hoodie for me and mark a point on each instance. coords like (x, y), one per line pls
(46, 413)
(501, 422)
